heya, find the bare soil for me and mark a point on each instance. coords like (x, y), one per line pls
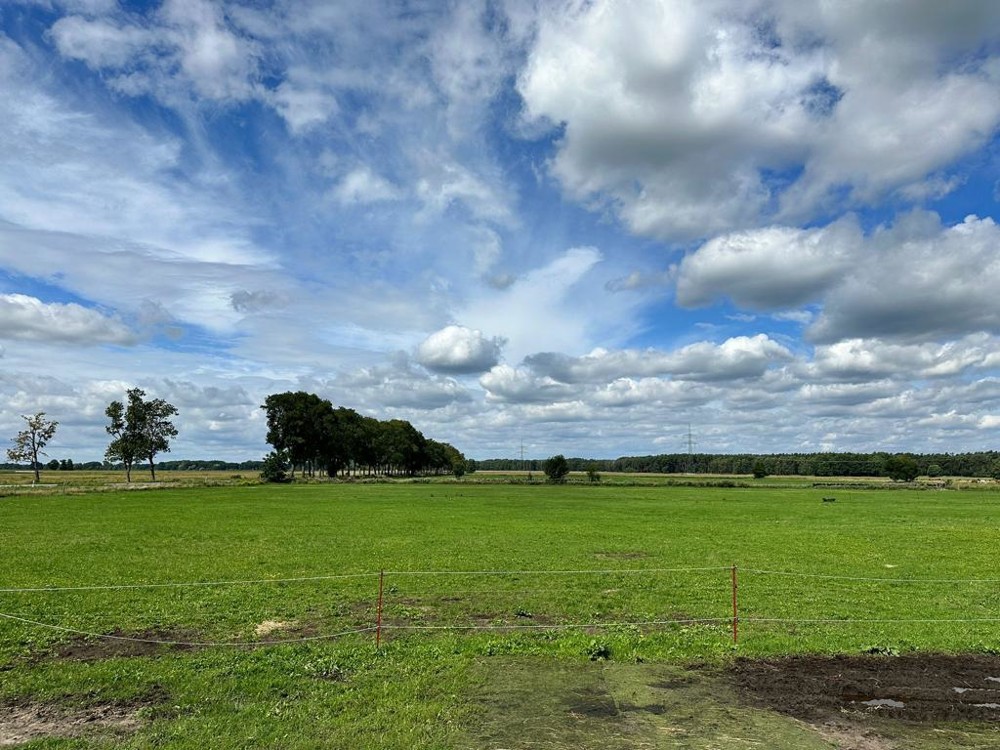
(911, 688)
(23, 721)
(123, 645)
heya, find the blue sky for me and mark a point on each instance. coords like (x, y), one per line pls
(583, 225)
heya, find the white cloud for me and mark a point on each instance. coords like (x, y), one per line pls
(864, 359)
(27, 318)
(361, 185)
(766, 269)
(689, 119)
(99, 43)
(506, 383)
(918, 280)
(735, 358)
(458, 350)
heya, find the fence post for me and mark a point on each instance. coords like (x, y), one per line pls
(378, 610)
(736, 616)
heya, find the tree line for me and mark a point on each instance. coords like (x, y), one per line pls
(312, 436)
(877, 464)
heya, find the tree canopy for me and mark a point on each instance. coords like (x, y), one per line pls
(139, 430)
(29, 442)
(556, 468)
(315, 436)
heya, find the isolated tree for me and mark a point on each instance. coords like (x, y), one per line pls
(592, 474)
(29, 442)
(140, 430)
(759, 469)
(124, 445)
(902, 468)
(151, 421)
(556, 469)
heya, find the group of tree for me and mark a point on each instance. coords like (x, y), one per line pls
(310, 435)
(139, 430)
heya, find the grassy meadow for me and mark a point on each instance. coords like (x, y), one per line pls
(510, 611)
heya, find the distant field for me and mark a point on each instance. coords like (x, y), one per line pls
(472, 619)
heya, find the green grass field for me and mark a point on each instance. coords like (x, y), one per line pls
(482, 647)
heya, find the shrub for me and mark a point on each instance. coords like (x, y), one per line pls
(556, 469)
(275, 467)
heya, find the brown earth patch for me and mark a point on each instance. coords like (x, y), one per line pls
(121, 644)
(24, 721)
(912, 687)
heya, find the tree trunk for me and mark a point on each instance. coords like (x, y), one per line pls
(152, 469)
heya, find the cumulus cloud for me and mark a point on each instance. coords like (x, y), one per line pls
(918, 280)
(459, 350)
(690, 119)
(25, 318)
(515, 385)
(399, 385)
(735, 358)
(772, 268)
(865, 359)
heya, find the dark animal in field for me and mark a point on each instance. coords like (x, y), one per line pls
(829, 499)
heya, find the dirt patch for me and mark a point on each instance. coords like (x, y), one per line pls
(23, 722)
(913, 687)
(120, 644)
(273, 626)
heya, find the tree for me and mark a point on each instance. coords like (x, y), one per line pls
(592, 473)
(759, 469)
(275, 467)
(28, 443)
(902, 468)
(124, 446)
(556, 469)
(140, 430)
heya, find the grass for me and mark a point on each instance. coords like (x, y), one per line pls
(470, 688)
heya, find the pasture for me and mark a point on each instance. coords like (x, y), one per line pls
(512, 616)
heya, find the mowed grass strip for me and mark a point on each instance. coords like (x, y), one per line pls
(425, 686)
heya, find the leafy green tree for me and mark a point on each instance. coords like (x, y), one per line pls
(140, 430)
(902, 468)
(155, 429)
(28, 443)
(759, 469)
(934, 470)
(124, 446)
(556, 469)
(592, 473)
(275, 468)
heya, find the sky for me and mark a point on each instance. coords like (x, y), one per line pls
(581, 227)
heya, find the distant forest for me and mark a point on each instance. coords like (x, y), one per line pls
(982, 464)
(182, 465)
